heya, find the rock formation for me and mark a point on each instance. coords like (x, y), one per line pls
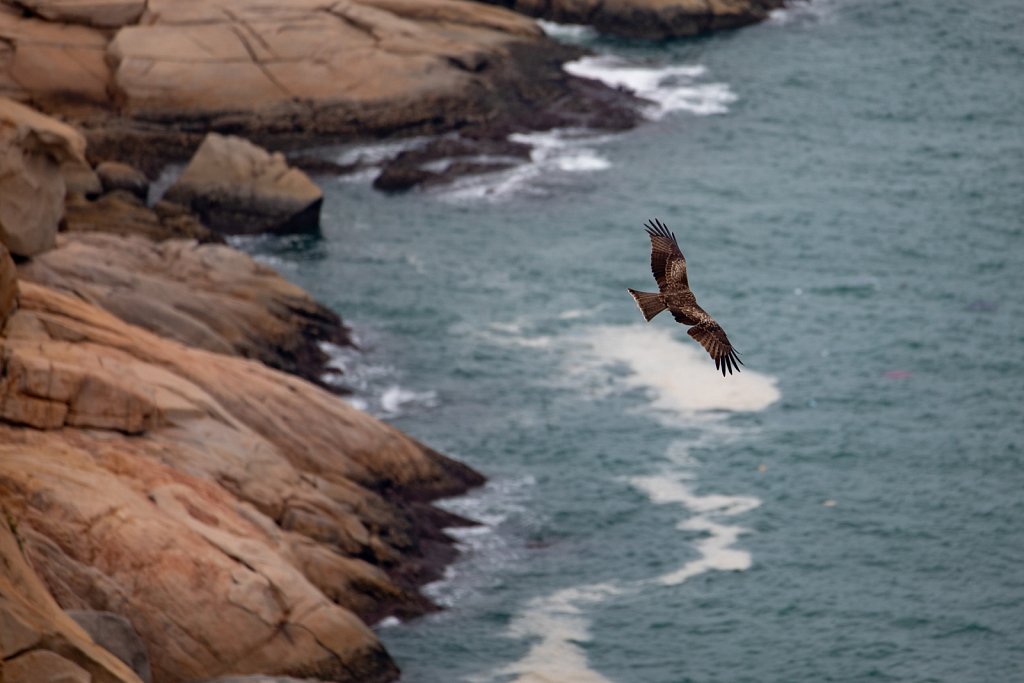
(38, 640)
(121, 212)
(238, 519)
(166, 483)
(205, 295)
(299, 73)
(114, 175)
(237, 187)
(651, 19)
(33, 148)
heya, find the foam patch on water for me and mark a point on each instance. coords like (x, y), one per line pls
(716, 548)
(560, 627)
(671, 88)
(677, 373)
(484, 550)
(799, 12)
(567, 33)
(374, 389)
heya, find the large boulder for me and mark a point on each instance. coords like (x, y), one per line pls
(211, 57)
(33, 147)
(238, 187)
(651, 19)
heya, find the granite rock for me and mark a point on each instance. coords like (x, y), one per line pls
(238, 187)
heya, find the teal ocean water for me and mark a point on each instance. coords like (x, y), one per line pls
(847, 183)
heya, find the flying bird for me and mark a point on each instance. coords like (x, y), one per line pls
(669, 268)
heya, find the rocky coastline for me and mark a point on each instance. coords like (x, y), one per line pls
(174, 469)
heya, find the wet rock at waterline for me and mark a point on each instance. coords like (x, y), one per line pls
(237, 187)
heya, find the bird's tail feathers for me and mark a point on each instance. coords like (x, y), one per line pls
(650, 303)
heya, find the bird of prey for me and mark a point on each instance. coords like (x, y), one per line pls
(669, 268)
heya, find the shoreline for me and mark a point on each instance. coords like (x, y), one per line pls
(155, 464)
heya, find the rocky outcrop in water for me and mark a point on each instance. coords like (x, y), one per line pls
(237, 187)
(650, 19)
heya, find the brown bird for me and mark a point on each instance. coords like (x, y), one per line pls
(669, 268)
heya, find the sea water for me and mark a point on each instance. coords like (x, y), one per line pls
(847, 183)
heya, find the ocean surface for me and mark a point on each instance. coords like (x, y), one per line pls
(847, 183)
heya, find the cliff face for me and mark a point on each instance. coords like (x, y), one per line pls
(243, 520)
(239, 517)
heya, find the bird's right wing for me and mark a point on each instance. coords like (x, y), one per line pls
(667, 262)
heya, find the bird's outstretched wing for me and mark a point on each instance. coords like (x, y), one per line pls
(667, 262)
(711, 336)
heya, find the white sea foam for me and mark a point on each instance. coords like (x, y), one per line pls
(373, 386)
(567, 33)
(387, 622)
(671, 88)
(567, 151)
(716, 547)
(394, 397)
(803, 12)
(686, 390)
(560, 626)
(168, 175)
(678, 374)
(481, 547)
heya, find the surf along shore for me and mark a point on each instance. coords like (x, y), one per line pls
(179, 487)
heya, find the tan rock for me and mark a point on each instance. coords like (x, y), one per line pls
(250, 496)
(36, 636)
(207, 296)
(80, 179)
(52, 64)
(115, 175)
(43, 666)
(238, 187)
(343, 66)
(97, 13)
(33, 148)
(121, 212)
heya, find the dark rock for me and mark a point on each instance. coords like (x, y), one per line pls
(445, 159)
(237, 187)
(8, 285)
(116, 634)
(649, 19)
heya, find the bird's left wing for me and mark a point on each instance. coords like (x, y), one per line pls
(711, 336)
(667, 261)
